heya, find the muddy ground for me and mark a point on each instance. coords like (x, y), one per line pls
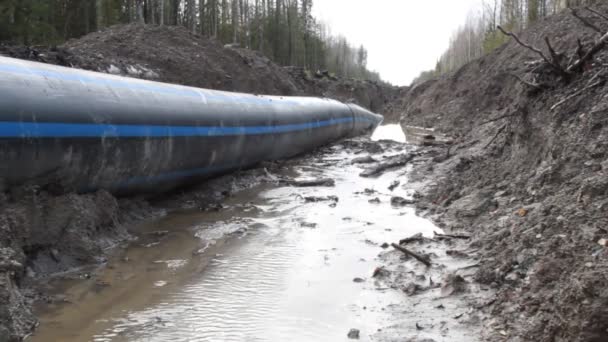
(256, 264)
(527, 177)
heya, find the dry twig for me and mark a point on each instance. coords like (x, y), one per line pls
(452, 236)
(496, 135)
(577, 93)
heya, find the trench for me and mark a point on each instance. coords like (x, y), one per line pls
(267, 266)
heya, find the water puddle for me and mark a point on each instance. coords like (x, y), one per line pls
(270, 266)
(389, 132)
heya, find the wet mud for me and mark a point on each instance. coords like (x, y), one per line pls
(278, 261)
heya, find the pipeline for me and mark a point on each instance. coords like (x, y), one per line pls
(84, 131)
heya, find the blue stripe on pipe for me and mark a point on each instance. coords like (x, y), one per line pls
(138, 85)
(9, 129)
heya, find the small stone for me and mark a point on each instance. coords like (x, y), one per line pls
(384, 245)
(353, 334)
(358, 280)
(603, 242)
(400, 201)
(55, 254)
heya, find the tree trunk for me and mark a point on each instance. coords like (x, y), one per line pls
(202, 19)
(261, 26)
(192, 15)
(276, 32)
(140, 12)
(99, 13)
(235, 21)
(161, 14)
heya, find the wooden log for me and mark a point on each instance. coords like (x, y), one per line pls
(406, 251)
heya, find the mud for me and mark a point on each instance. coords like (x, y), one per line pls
(267, 264)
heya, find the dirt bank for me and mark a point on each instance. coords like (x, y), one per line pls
(527, 176)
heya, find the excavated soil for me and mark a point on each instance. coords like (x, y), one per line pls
(527, 177)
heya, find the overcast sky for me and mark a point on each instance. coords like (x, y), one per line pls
(403, 37)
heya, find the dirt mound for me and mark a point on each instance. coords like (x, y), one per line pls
(527, 177)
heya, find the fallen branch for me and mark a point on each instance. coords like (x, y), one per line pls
(309, 182)
(422, 259)
(500, 118)
(554, 56)
(596, 13)
(396, 161)
(452, 236)
(599, 45)
(577, 93)
(585, 21)
(496, 135)
(580, 50)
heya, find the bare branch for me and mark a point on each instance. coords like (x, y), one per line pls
(527, 46)
(596, 12)
(554, 54)
(557, 67)
(585, 21)
(423, 259)
(580, 50)
(578, 92)
(502, 128)
(599, 45)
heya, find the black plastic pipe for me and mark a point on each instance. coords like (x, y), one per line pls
(84, 130)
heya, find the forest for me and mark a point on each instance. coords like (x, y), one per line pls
(284, 30)
(479, 35)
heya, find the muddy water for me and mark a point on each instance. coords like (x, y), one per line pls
(269, 266)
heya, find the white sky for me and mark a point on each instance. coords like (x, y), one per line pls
(403, 37)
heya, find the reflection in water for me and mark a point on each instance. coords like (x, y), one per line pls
(389, 132)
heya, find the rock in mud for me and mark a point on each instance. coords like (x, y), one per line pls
(363, 160)
(453, 284)
(353, 334)
(313, 199)
(473, 205)
(381, 272)
(393, 185)
(400, 201)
